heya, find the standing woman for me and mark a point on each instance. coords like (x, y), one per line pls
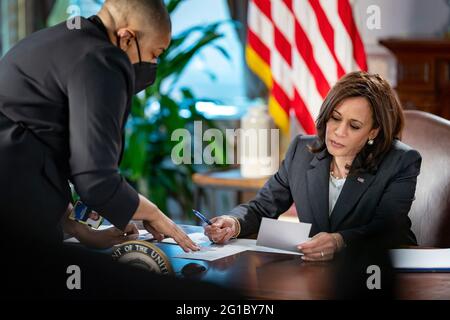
(354, 182)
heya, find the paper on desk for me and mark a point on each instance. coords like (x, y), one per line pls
(197, 237)
(143, 235)
(215, 252)
(251, 245)
(420, 258)
(212, 252)
(282, 235)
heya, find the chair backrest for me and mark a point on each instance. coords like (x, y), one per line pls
(430, 212)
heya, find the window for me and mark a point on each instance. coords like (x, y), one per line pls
(229, 82)
(210, 75)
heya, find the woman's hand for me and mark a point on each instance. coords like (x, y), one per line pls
(103, 239)
(223, 228)
(159, 225)
(97, 239)
(322, 247)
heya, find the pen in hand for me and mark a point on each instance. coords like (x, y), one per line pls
(202, 217)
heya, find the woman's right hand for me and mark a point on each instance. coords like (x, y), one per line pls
(160, 226)
(223, 228)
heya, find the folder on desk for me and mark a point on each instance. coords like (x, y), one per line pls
(421, 260)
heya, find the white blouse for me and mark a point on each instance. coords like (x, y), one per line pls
(335, 190)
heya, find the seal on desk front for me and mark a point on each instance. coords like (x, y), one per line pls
(143, 255)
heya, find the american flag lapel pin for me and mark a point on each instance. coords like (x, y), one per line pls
(360, 180)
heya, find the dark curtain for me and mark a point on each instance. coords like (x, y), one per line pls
(238, 11)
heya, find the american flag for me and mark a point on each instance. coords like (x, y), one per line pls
(299, 49)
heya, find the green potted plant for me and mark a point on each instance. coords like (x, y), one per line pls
(147, 159)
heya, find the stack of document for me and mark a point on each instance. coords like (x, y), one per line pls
(421, 259)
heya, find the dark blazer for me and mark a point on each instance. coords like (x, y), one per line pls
(65, 96)
(370, 205)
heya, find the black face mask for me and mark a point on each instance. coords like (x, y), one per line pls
(144, 72)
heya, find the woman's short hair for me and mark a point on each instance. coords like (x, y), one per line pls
(387, 115)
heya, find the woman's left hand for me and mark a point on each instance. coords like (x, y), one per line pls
(98, 239)
(322, 247)
(103, 239)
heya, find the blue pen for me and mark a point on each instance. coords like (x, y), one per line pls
(202, 217)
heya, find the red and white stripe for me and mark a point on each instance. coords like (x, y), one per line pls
(308, 45)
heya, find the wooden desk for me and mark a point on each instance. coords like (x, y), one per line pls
(277, 276)
(223, 180)
(228, 179)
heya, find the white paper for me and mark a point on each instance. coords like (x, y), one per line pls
(71, 240)
(143, 235)
(212, 252)
(215, 251)
(251, 245)
(282, 235)
(420, 258)
(197, 237)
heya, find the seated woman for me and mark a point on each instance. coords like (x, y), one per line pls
(354, 182)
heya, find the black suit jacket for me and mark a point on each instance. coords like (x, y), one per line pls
(371, 205)
(65, 96)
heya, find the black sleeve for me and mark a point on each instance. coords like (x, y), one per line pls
(271, 201)
(98, 97)
(391, 224)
